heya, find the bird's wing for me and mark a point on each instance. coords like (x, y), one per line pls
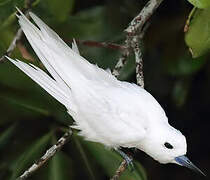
(108, 115)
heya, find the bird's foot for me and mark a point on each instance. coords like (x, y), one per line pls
(129, 162)
(128, 159)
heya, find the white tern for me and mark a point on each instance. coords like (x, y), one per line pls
(106, 110)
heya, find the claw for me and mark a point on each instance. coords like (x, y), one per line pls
(130, 164)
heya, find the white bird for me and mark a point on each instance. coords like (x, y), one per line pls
(106, 110)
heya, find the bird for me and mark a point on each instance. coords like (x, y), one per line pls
(105, 110)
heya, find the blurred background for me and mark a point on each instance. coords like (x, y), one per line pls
(31, 120)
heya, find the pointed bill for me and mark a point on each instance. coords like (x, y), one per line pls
(184, 161)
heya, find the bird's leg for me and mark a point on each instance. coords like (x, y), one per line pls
(129, 160)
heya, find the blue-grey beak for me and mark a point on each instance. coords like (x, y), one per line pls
(184, 161)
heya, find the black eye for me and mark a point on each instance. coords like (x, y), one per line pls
(169, 146)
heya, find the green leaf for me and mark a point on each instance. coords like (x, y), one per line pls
(200, 3)
(7, 7)
(6, 135)
(110, 161)
(9, 20)
(60, 167)
(33, 152)
(84, 157)
(25, 105)
(19, 93)
(60, 9)
(197, 37)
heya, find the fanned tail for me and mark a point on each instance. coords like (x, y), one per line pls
(68, 69)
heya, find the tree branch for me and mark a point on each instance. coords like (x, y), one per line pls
(135, 44)
(135, 32)
(122, 60)
(108, 45)
(49, 154)
(120, 170)
(13, 44)
(19, 33)
(138, 22)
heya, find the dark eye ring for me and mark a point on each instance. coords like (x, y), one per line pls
(168, 145)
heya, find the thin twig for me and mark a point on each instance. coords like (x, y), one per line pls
(108, 45)
(135, 32)
(138, 22)
(187, 24)
(102, 44)
(49, 154)
(135, 43)
(19, 33)
(120, 170)
(122, 61)
(13, 44)
(139, 60)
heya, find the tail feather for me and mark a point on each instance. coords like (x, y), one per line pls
(48, 49)
(45, 81)
(65, 65)
(66, 61)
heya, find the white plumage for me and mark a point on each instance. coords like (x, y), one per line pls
(105, 110)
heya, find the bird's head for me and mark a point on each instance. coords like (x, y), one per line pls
(168, 145)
